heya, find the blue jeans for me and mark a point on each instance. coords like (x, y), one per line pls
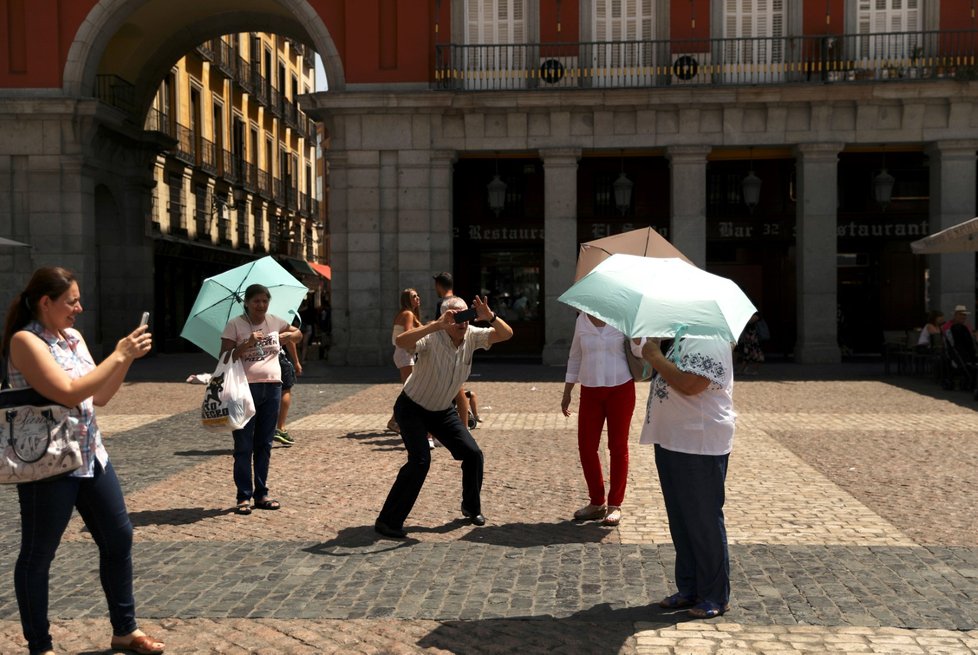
(253, 442)
(693, 491)
(45, 508)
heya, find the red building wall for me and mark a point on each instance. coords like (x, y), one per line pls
(379, 41)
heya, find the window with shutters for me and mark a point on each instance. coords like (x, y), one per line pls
(753, 32)
(498, 29)
(623, 31)
(888, 29)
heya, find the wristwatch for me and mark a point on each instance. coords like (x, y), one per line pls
(494, 317)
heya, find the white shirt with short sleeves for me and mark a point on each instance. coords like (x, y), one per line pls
(441, 368)
(702, 424)
(597, 355)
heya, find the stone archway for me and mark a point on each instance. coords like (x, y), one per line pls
(108, 16)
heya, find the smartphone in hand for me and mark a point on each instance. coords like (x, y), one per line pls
(144, 320)
(465, 315)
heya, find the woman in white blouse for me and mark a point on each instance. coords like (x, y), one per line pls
(597, 361)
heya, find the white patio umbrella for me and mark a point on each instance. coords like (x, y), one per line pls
(962, 237)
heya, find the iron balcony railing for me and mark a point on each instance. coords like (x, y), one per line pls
(249, 176)
(208, 156)
(231, 165)
(841, 58)
(116, 92)
(244, 75)
(186, 144)
(265, 184)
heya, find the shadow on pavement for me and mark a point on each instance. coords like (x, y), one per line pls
(362, 538)
(204, 453)
(599, 630)
(175, 516)
(529, 535)
(383, 441)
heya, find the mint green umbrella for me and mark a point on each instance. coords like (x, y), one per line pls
(661, 297)
(222, 297)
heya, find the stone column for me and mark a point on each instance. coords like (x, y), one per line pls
(952, 200)
(442, 229)
(687, 223)
(816, 243)
(560, 249)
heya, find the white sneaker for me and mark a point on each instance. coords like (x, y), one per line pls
(431, 443)
(590, 513)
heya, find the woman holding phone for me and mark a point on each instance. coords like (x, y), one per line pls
(42, 349)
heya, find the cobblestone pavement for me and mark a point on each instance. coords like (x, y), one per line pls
(850, 516)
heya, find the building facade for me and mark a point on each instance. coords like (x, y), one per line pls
(796, 147)
(239, 177)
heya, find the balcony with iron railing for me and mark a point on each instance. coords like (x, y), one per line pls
(249, 176)
(275, 101)
(116, 92)
(278, 192)
(245, 78)
(231, 165)
(264, 184)
(186, 149)
(819, 59)
(208, 156)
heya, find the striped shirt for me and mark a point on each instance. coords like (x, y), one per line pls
(442, 368)
(69, 350)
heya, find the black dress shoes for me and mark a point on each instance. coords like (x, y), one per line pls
(382, 528)
(477, 519)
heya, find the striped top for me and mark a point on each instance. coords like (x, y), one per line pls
(442, 368)
(69, 350)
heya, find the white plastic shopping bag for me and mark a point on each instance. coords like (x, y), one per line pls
(228, 404)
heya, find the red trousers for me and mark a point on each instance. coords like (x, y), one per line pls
(598, 404)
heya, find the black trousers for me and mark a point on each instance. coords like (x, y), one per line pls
(416, 424)
(693, 491)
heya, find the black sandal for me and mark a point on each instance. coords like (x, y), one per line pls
(244, 509)
(267, 504)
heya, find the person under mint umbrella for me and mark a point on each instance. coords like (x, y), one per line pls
(690, 419)
(255, 337)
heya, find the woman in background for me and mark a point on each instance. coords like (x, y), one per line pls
(597, 361)
(408, 317)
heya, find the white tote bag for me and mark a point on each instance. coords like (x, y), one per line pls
(228, 404)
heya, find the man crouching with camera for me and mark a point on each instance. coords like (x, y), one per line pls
(444, 348)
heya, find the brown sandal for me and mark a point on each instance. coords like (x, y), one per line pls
(141, 645)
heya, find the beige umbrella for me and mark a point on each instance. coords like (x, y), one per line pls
(962, 237)
(644, 242)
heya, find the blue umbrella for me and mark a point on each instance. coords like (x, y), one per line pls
(661, 297)
(222, 297)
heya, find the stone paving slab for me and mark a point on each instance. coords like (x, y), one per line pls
(362, 577)
(388, 637)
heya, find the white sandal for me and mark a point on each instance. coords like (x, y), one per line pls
(613, 517)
